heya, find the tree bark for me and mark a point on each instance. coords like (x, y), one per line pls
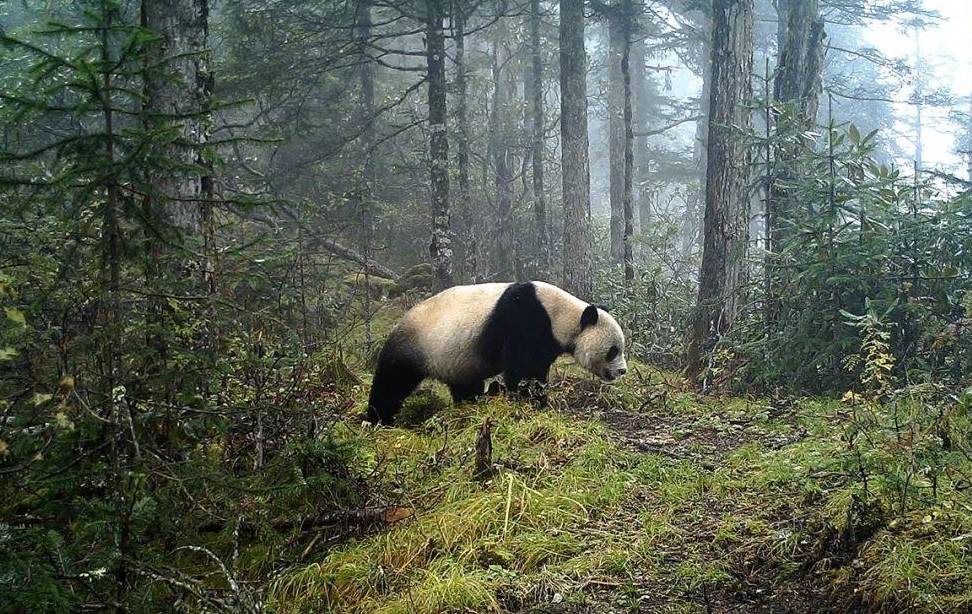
(578, 265)
(693, 216)
(484, 451)
(726, 222)
(440, 248)
(627, 197)
(503, 246)
(968, 141)
(616, 130)
(798, 70)
(370, 266)
(177, 93)
(179, 188)
(797, 84)
(919, 97)
(366, 77)
(640, 95)
(542, 267)
(469, 248)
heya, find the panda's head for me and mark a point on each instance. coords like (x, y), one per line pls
(599, 346)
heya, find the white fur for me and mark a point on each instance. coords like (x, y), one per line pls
(445, 327)
(592, 343)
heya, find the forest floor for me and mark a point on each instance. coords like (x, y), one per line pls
(637, 497)
(640, 496)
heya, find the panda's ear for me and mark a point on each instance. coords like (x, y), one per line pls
(603, 308)
(589, 317)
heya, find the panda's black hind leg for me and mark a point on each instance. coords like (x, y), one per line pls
(466, 391)
(396, 377)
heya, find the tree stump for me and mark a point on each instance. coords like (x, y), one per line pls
(484, 451)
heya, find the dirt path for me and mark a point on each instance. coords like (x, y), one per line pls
(741, 580)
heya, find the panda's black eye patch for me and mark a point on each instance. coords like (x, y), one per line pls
(613, 353)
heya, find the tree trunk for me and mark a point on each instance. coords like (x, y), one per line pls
(542, 267)
(919, 96)
(968, 140)
(616, 126)
(470, 240)
(693, 216)
(798, 70)
(117, 432)
(782, 16)
(366, 76)
(640, 95)
(440, 248)
(627, 197)
(177, 93)
(575, 166)
(503, 245)
(726, 222)
(179, 190)
(797, 84)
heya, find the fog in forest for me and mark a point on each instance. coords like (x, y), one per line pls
(485, 306)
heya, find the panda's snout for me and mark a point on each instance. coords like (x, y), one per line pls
(613, 374)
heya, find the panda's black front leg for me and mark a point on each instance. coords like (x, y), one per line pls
(527, 376)
(466, 391)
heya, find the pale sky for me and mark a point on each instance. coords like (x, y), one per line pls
(947, 47)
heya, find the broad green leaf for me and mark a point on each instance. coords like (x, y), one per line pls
(16, 315)
(41, 398)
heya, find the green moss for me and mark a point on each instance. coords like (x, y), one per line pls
(568, 510)
(421, 406)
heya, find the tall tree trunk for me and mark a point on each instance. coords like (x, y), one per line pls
(726, 222)
(797, 84)
(180, 189)
(542, 267)
(628, 203)
(640, 95)
(693, 216)
(782, 16)
(575, 166)
(919, 97)
(616, 46)
(117, 423)
(366, 77)
(502, 248)
(440, 248)
(177, 92)
(968, 140)
(798, 70)
(467, 214)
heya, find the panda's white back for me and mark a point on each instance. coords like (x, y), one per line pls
(445, 328)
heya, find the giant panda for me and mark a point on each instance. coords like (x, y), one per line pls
(467, 334)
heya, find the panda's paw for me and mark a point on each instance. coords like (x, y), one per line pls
(533, 391)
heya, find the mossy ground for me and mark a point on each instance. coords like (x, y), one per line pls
(640, 496)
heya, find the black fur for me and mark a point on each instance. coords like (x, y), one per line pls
(400, 370)
(589, 317)
(517, 340)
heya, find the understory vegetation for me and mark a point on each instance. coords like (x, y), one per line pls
(213, 214)
(641, 495)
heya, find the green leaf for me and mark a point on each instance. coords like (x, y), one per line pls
(7, 353)
(16, 315)
(41, 398)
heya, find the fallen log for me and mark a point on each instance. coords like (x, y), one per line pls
(371, 266)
